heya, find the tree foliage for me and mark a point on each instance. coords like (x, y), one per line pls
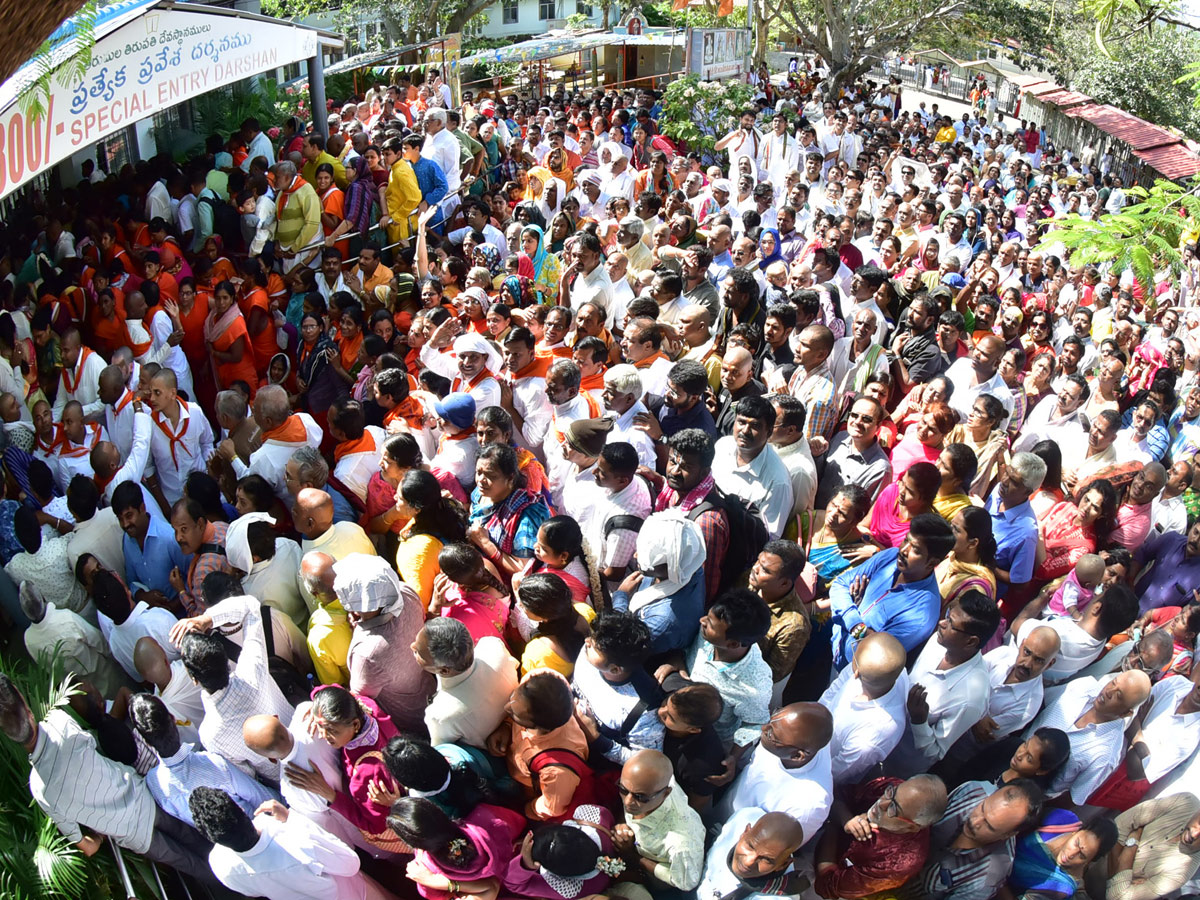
(1144, 236)
(851, 37)
(79, 43)
(1143, 76)
(698, 113)
(403, 21)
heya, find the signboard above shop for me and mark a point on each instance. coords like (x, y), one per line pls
(168, 54)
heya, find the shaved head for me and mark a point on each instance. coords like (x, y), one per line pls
(267, 736)
(738, 356)
(878, 661)
(797, 732)
(766, 846)
(645, 782)
(312, 512)
(151, 662)
(317, 575)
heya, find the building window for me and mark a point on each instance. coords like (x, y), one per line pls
(583, 9)
(547, 9)
(511, 11)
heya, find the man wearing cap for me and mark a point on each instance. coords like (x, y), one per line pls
(386, 615)
(457, 446)
(578, 494)
(592, 199)
(471, 367)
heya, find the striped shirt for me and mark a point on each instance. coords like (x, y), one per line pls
(952, 874)
(77, 787)
(1096, 750)
(172, 781)
(250, 691)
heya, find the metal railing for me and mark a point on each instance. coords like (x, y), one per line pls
(952, 86)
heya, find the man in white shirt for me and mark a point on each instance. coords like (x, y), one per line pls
(622, 398)
(283, 433)
(181, 441)
(742, 141)
(1094, 717)
(789, 442)
(277, 855)
(1083, 640)
(779, 154)
(523, 388)
(789, 771)
(746, 465)
(978, 374)
(80, 378)
(119, 408)
(474, 682)
(443, 148)
(585, 280)
(642, 346)
(753, 858)
(357, 448)
(123, 624)
(626, 500)
(950, 685)
(867, 702)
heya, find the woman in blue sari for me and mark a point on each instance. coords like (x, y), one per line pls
(505, 517)
(546, 266)
(1050, 861)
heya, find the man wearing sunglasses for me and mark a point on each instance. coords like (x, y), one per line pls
(662, 834)
(879, 837)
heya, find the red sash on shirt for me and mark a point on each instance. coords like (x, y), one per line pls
(71, 383)
(165, 426)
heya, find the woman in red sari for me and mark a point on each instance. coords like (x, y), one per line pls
(228, 341)
(1069, 531)
(193, 311)
(255, 305)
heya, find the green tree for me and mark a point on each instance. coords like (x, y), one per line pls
(403, 21)
(1142, 75)
(851, 37)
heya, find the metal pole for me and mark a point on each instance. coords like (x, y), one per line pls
(316, 92)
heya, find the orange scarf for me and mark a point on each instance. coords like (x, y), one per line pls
(649, 360)
(592, 382)
(349, 351)
(84, 449)
(457, 383)
(49, 449)
(285, 195)
(71, 382)
(536, 369)
(164, 426)
(594, 412)
(408, 409)
(139, 348)
(292, 431)
(365, 444)
(123, 402)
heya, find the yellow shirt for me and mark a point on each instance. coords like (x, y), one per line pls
(540, 653)
(403, 196)
(417, 563)
(329, 635)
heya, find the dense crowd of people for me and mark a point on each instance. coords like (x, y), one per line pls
(502, 500)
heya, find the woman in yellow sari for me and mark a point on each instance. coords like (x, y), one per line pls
(968, 567)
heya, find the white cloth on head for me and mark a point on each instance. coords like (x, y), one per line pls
(237, 540)
(474, 343)
(366, 584)
(668, 538)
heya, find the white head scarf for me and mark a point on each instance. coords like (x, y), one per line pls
(367, 583)
(668, 538)
(474, 343)
(237, 540)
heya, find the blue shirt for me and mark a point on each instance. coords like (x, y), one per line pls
(697, 417)
(432, 182)
(673, 621)
(1174, 574)
(342, 510)
(1016, 532)
(172, 781)
(906, 611)
(151, 567)
(1158, 440)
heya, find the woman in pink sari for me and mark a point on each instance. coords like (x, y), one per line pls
(471, 591)
(900, 502)
(456, 859)
(1068, 530)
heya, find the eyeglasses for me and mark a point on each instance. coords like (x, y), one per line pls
(638, 796)
(888, 806)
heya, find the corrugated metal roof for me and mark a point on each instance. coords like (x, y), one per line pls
(1065, 98)
(1137, 133)
(1042, 88)
(1023, 81)
(1174, 161)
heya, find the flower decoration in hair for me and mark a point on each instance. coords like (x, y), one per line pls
(611, 866)
(457, 848)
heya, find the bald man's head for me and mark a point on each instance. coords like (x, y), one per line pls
(312, 512)
(268, 737)
(766, 846)
(151, 662)
(317, 575)
(645, 782)
(112, 384)
(878, 661)
(1123, 694)
(1036, 654)
(797, 733)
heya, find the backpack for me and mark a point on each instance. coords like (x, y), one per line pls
(592, 788)
(292, 684)
(747, 533)
(227, 223)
